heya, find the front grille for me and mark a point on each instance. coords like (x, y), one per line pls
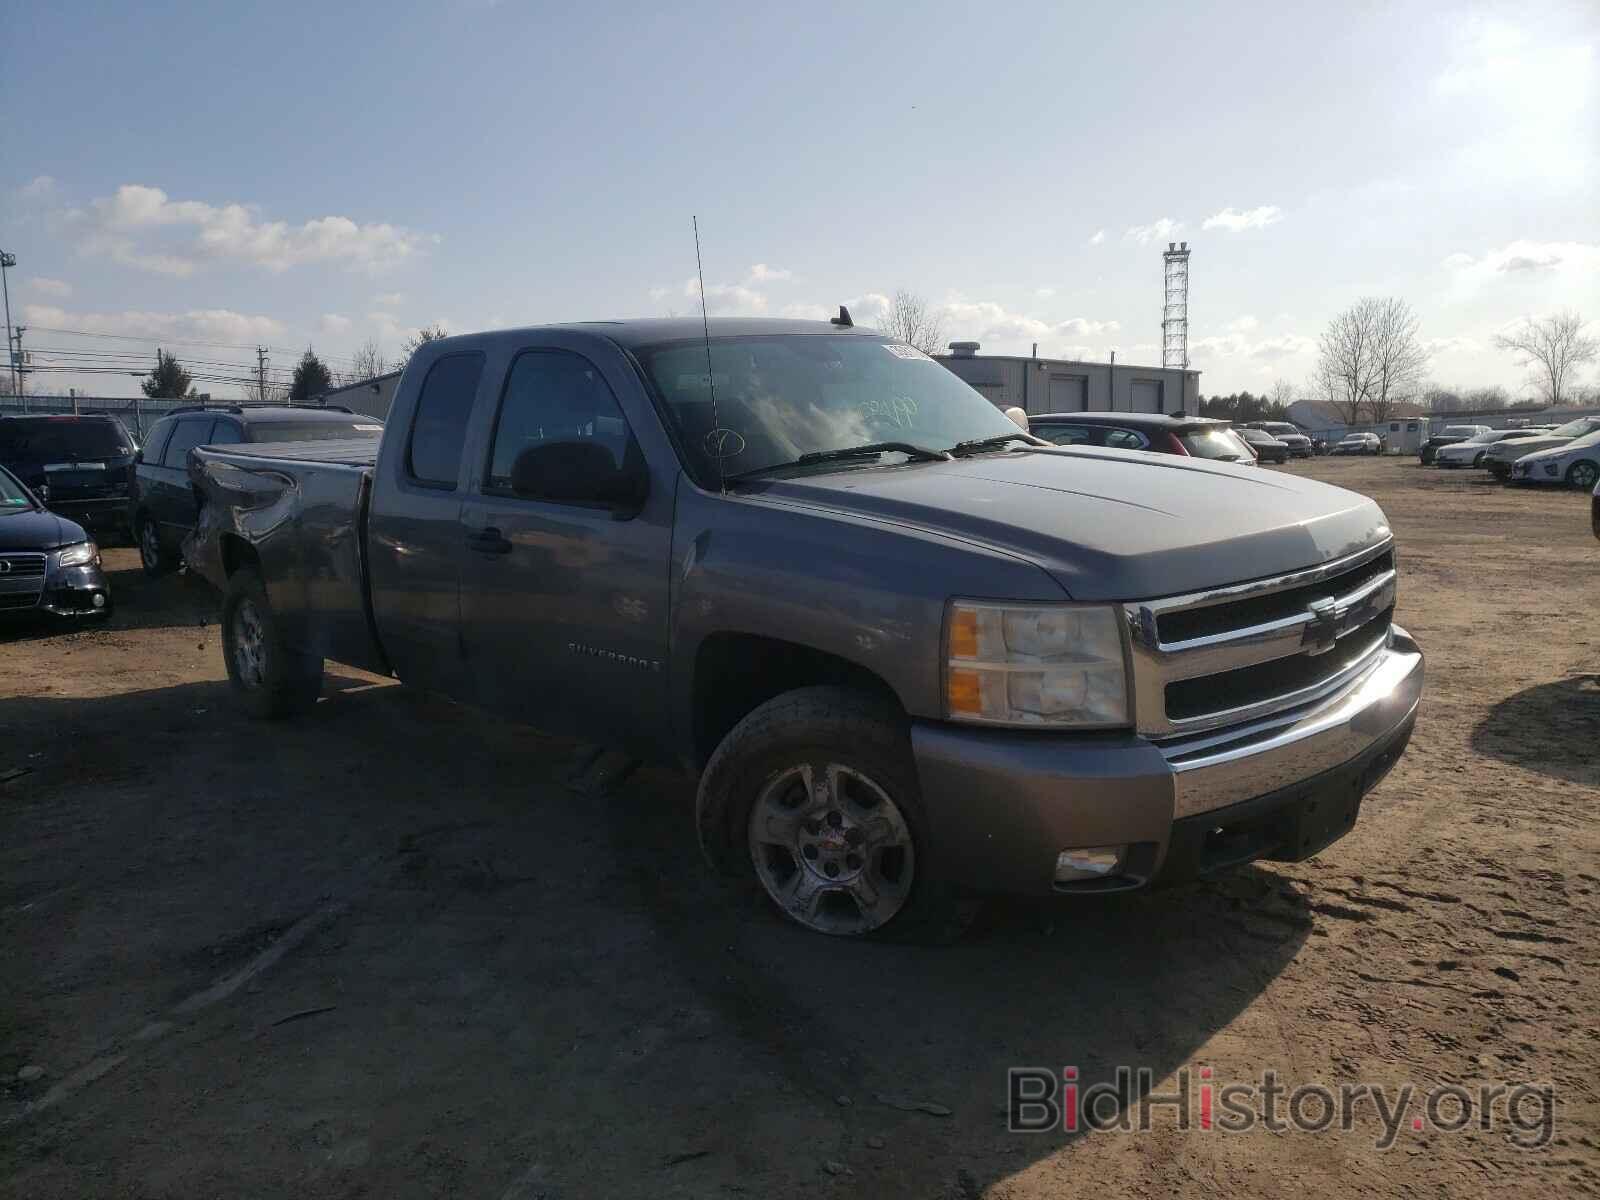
(1246, 686)
(21, 580)
(1191, 623)
(1212, 660)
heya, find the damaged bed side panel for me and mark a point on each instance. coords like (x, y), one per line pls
(299, 523)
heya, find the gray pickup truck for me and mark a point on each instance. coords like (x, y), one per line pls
(913, 654)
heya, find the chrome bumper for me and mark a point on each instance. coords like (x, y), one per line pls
(1235, 764)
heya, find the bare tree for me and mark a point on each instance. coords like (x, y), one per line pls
(428, 333)
(367, 362)
(910, 320)
(1552, 348)
(1399, 361)
(1282, 395)
(270, 393)
(1370, 358)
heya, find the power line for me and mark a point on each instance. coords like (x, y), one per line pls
(171, 341)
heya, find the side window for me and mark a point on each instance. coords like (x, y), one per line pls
(1066, 435)
(1125, 439)
(553, 396)
(439, 428)
(191, 432)
(156, 442)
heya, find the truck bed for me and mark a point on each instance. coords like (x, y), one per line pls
(296, 512)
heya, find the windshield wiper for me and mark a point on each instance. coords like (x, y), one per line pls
(912, 451)
(976, 444)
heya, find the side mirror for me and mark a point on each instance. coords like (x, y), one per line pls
(581, 472)
(44, 492)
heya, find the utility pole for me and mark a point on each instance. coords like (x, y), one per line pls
(261, 374)
(18, 369)
(7, 261)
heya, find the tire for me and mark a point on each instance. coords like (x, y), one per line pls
(269, 679)
(797, 788)
(155, 558)
(1477, 460)
(1583, 474)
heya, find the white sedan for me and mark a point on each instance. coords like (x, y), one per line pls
(1575, 464)
(1470, 453)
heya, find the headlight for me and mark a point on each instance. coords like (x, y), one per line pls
(1046, 664)
(79, 553)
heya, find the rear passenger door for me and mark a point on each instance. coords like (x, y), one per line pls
(564, 605)
(172, 500)
(415, 550)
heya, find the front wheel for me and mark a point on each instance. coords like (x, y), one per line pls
(814, 794)
(270, 678)
(1583, 474)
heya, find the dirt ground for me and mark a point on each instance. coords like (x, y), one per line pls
(387, 950)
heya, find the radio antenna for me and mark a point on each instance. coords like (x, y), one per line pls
(711, 376)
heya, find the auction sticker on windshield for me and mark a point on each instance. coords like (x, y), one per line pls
(899, 350)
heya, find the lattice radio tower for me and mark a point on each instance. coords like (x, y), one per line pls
(1175, 313)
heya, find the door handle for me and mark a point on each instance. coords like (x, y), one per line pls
(489, 541)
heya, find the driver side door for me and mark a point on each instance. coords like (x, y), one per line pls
(563, 604)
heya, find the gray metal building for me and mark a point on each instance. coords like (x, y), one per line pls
(1048, 385)
(371, 397)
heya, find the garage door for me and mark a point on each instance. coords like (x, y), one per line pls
(1068, 393)
(1147, 395)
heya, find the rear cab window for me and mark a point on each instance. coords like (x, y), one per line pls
(439, 425)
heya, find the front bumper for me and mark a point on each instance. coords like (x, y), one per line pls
(76, 592)
(1000, 806)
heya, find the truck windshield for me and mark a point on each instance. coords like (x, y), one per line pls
(66, 439)
(779, 396)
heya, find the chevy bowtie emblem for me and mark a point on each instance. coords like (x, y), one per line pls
(1322, 631)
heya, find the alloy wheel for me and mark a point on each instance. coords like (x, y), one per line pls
(831, 847)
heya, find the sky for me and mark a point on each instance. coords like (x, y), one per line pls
(211, 178)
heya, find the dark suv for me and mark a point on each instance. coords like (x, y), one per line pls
(162, 509)
(80, 466)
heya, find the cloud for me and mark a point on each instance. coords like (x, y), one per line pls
(1565, 270)
(209, 324)
(1243, 324)
(1044, 293)
(37, 188)
(987, 320)
(762, 273)
(389, 299)
(142, 227)
(1236, 345)
(334, 325)
(1098, 236)
(48, 287)
(1235, 221)
(1452, 345)
(1160, 230)
(727, 299)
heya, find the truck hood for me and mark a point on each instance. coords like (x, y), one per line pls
(1109, 525)
(31, 529)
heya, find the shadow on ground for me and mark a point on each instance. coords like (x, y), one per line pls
(1552, 728)
(536, 990)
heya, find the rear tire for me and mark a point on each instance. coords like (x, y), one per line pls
(270, 679)
(839, 841)
(155, 558)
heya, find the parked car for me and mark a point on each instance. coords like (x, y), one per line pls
(1267, 448)
(912, 652)
(1471, 452)
(1576, 464)
(1195, 437)
(1594, 510)
(1289, 434)
(1359, 443)
(47, 563)
(1503, 453)
(161, 510)
(1451, 436)
(80, 466)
